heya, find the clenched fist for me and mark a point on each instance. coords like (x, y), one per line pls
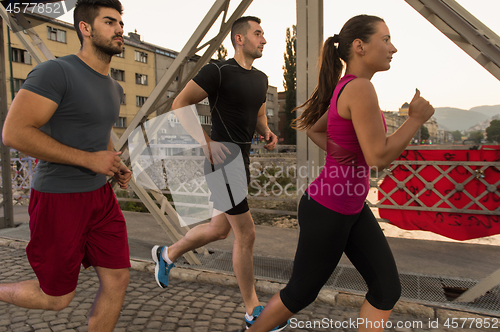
(104, 162)
(420, 109)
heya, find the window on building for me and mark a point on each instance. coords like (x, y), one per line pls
(141, 57)
(18, 83)
(205, 119)
(270, 112)
(21, 56)
(270, 97)
(56, 34)
(122, 54)
(117, 74)
(141, 79)
(166, 53)
(140, 100)
(121, 123)
(124, 100)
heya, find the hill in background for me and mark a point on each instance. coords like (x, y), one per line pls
(487, 110)
(451, 119)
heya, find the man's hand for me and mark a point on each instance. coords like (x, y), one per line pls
(271, 140)
(215, 152)
(123, 176)
(104, 162)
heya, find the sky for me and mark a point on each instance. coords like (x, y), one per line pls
(426, 59)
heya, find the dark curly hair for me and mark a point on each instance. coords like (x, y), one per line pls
(87, 11)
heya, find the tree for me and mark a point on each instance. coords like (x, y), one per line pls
(457, 135)
(221, 53)
(424, 133)
(493, 131)
(290, 84)
(476, 136)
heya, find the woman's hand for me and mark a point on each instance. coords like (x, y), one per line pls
(420, 109)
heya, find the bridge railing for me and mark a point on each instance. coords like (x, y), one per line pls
(274, 178)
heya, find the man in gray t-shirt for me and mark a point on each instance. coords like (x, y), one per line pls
(89, 105)
(63, 116)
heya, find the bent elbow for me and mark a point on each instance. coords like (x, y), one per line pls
(12, 138)
(379, 167)
(175, 104)
(377, 164)
(7, 138)
(180, 101)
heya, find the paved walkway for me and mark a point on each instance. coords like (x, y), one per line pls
(183, 307)
(206, 301)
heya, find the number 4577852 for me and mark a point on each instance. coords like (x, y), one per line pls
(40, 8)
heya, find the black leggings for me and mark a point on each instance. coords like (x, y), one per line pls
(324, 236)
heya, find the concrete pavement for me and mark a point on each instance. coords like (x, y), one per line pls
(199, 300)
(184, 306)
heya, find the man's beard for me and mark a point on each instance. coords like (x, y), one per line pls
(255, 54)
(104, 51)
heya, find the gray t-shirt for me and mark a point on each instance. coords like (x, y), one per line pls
(89, 105)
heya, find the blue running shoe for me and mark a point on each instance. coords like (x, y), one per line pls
(161, 268)
(256, 312)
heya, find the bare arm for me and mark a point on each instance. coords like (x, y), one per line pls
(191, 95)
(317, 133)
(379, 150)
(263, 129)
(28, 112)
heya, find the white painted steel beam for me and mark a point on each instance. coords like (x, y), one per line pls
(309, 42)
(464, 29)
(7, 221)
(481, 288)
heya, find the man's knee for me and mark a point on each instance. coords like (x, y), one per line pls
(219, 233)
(58, 303)
(222, 234)
(116, 280)
(247, 238)
(122, 279)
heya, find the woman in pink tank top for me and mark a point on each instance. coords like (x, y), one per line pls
(343, 118)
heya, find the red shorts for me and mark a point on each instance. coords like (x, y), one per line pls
(68, 230)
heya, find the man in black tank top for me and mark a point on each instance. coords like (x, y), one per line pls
(237, 95)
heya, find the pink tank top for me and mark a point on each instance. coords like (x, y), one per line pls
(343, 183)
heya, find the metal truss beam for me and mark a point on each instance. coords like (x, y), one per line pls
(309, 43)
(465, 30)
(7, 220)
(481, 288)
